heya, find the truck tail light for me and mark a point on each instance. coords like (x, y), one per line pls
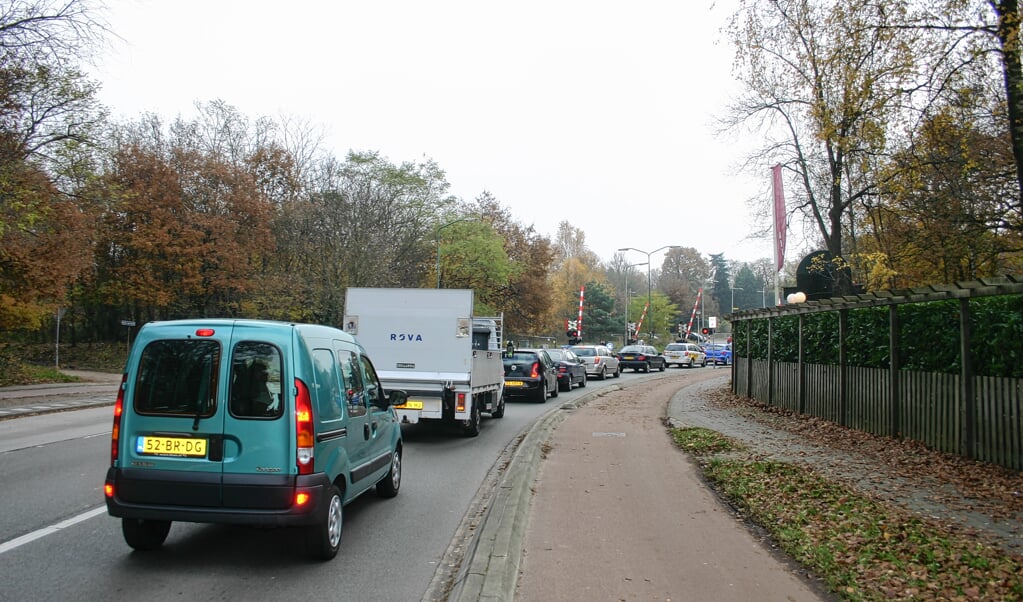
(304, 437)
(115, 432)
(460, 402)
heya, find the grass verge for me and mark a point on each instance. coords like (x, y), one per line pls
(31, 364)
(860, 548)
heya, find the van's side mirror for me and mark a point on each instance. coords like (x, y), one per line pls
(396, 397)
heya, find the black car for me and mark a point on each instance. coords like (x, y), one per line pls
(642, 357)
(530, 373)
(571, 368)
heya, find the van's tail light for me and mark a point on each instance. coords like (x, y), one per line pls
(115, 432)
(304, 438)
(535, 372)
(460, 402)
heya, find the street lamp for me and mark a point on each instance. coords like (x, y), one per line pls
(451, 223)
(649, 290)
(733, 289)
(628, 299)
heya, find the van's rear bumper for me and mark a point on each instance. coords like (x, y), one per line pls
(251, 500)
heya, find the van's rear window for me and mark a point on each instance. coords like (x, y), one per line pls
(178, 377)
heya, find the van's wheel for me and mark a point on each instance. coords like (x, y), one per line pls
(472, 425)
(499, 411)
(324, 538)
(144, 535)
(390, 484)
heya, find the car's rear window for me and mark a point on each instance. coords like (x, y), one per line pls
(584, 352)
(256, 379)
(178, 377)
(675, 348)
(518, 358)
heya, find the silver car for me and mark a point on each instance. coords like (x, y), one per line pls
(600, 362)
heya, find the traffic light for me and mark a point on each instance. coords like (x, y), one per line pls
(707, 331)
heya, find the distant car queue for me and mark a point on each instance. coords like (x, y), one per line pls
(541, 373)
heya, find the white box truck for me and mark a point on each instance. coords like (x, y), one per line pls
(428, 343)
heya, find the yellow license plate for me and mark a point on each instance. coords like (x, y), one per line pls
(411, 405)
(513, 383)
(171, 446)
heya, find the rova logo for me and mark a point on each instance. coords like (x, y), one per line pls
(406, 338)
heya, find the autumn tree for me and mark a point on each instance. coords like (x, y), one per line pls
(823, 80)
(474, 257)
(47, 107)
(526, 298)
(945, 207)
(683, 273)
(575, 265)
(368, 223)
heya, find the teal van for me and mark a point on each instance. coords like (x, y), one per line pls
(249, 422)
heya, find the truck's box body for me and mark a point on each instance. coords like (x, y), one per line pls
(427, 343)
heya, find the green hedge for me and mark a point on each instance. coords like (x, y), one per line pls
(928, 337)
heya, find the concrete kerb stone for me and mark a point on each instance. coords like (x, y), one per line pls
(490, 536)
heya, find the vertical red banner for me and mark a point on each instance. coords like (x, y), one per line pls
(779, 217)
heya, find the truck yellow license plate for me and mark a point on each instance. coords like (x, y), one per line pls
(171, 446)
(412, 404)
(513, 383)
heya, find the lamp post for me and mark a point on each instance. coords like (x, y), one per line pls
(649, 289)
(628, 300)
(464, 219)
(733, 289)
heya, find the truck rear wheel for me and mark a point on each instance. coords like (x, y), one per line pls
(472, 425)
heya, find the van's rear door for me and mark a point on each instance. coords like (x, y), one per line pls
(172, 435)
(258, 428)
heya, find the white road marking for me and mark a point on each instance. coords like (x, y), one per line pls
(17, 542)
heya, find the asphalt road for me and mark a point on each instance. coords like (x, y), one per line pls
(57, 543)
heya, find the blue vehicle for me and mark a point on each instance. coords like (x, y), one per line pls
(249, 422)
(718, 353)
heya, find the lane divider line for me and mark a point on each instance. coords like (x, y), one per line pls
(17, 542)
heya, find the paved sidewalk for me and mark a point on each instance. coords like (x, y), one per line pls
(596, 503)
(96, 389)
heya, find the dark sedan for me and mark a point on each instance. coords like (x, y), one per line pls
(530, 373)
(571, 368)
(641, 357)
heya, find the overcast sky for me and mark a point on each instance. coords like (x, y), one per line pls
(594, 112)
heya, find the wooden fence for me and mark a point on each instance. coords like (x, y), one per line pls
(978, 417)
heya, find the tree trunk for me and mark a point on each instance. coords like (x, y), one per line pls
(1008, 36)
